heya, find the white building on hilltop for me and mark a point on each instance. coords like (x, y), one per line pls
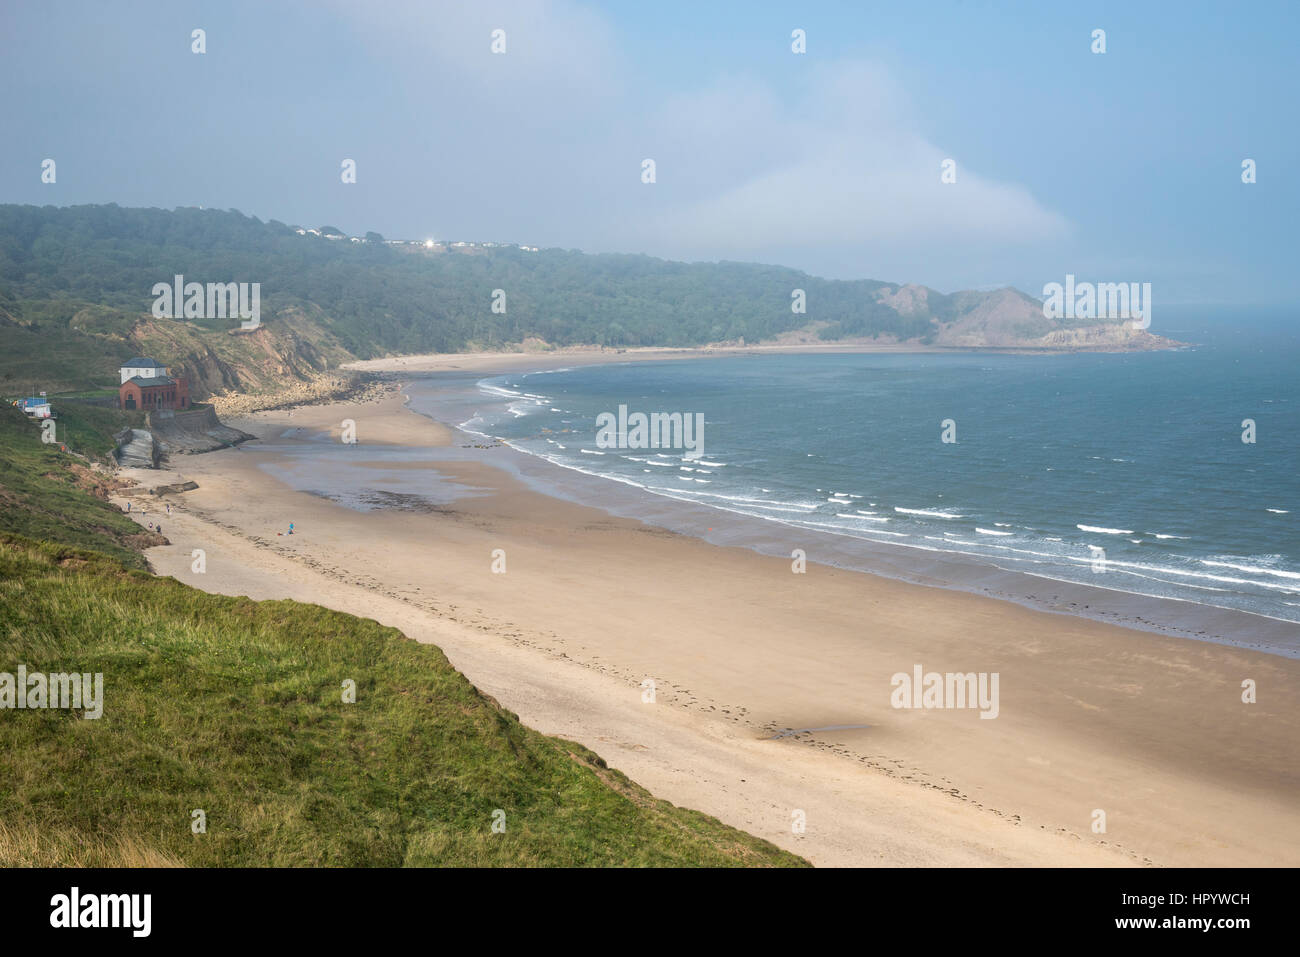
(141, 366)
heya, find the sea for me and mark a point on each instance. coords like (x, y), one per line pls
(1169, 475)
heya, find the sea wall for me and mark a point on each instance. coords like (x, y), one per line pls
(137, 448)
(187, 431)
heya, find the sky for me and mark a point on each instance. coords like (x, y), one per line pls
(1122, 166)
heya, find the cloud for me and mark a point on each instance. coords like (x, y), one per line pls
(841, 164)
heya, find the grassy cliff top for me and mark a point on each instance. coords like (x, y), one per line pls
(50, 494)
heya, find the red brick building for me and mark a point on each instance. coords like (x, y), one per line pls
(157, 392)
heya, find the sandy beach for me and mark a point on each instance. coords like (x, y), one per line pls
(1150, 730)
(497, 362)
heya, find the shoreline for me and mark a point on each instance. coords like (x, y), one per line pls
(1143, 726)
(501, 362)
(1176, 616)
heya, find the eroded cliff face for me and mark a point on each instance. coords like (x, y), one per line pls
(1009, 319)
(288, 348)
(1004, 319)
(1111, 337)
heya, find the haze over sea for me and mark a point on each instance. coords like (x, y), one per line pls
(1140, 455)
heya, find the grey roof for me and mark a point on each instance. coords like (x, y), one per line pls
(142, 362)
(151, 380)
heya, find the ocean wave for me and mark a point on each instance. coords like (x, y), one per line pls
(498, 390)
(927, 512)
(1104, 531)
(844, 531)
(759, 501)
(1251, 568)
(1147, 569)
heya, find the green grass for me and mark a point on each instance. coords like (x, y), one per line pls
(56, 353)
(49, 494)
(235, 707)
(89, 429)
